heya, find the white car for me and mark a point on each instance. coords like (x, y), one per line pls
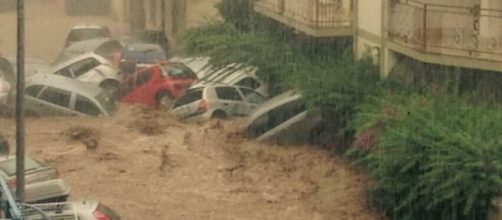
(86, 32)
(90, 68)
(238, 75)
(105, 47)
(79, 210)
(283, 119)
(216, 101)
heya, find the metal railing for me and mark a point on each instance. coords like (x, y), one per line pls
(318, 14)
(448, 30)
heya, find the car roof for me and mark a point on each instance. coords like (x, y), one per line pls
(89, 45)
(80, 57)
(274, 103)
(65, 83)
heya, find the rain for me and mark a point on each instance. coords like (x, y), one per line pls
(250, 109)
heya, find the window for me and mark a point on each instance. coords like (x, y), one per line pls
(77, 69)
(144, 77)
(228, 93)
(249, 82)
(275, 117)
(189, 97)
(108, 49)
(252, 96)
(56, 96)
(33, 91)
(178, 70)
(86, 106)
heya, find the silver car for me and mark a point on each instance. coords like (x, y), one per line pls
(86, 32)
(216, 101)
(283, 119)
(48, 94)
(80, 210)
(105, 47)
(42, 183)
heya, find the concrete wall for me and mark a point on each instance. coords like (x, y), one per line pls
(369, 28)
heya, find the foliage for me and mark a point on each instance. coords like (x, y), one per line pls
(434, 158)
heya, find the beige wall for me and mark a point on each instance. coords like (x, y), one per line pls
(369, 16)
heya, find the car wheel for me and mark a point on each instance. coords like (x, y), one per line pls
(164, 100)
(219, 115)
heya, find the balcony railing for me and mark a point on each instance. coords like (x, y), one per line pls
(448, 30)
(315, 14)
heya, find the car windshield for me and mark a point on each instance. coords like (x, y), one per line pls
(108, 103)
(9, 166)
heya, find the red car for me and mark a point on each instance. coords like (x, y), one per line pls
(157, 85)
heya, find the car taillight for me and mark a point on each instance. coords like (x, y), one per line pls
(100, 216)
(203, 106)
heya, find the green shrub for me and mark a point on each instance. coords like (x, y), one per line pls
(433, 158)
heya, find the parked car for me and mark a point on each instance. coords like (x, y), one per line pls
(157, 85)
(283, 119)
(143, 53)
(238, 75)
(108, 48)
(216, 101)
(49, 94)
(42, 183)
(86, 32)
(78, 210)
(199, 65)
(90, 68)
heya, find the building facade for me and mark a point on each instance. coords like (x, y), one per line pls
(463, 33)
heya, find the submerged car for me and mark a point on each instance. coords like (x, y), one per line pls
(90, 68)
(49, 94)
(283, 119)
(143, 53)
(199, 65)
(157, 85)
(216, 101)
(108, 48)
(78, 210)
(86, 32)
(42, 183)
(238, 75)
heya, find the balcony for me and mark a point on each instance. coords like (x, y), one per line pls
(318, 18)
(461, 33)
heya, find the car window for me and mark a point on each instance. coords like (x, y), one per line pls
(144, 77)
(252, 96)
(275, 117)
(86, 106)
(178, 70)
(189, 97)
(228, 93)
(33, 91)
(108, 49)
(249, 82)
(79, 68)
(56, 96)
(9, 166)
(85, 34)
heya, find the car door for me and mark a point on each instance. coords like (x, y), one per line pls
(53, 101)
(86, 106)
(231, 100)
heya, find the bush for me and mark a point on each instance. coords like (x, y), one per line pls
(433, 158)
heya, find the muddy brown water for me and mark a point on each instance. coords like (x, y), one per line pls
(148, 166)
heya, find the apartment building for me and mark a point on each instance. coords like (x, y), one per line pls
(463, 33)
